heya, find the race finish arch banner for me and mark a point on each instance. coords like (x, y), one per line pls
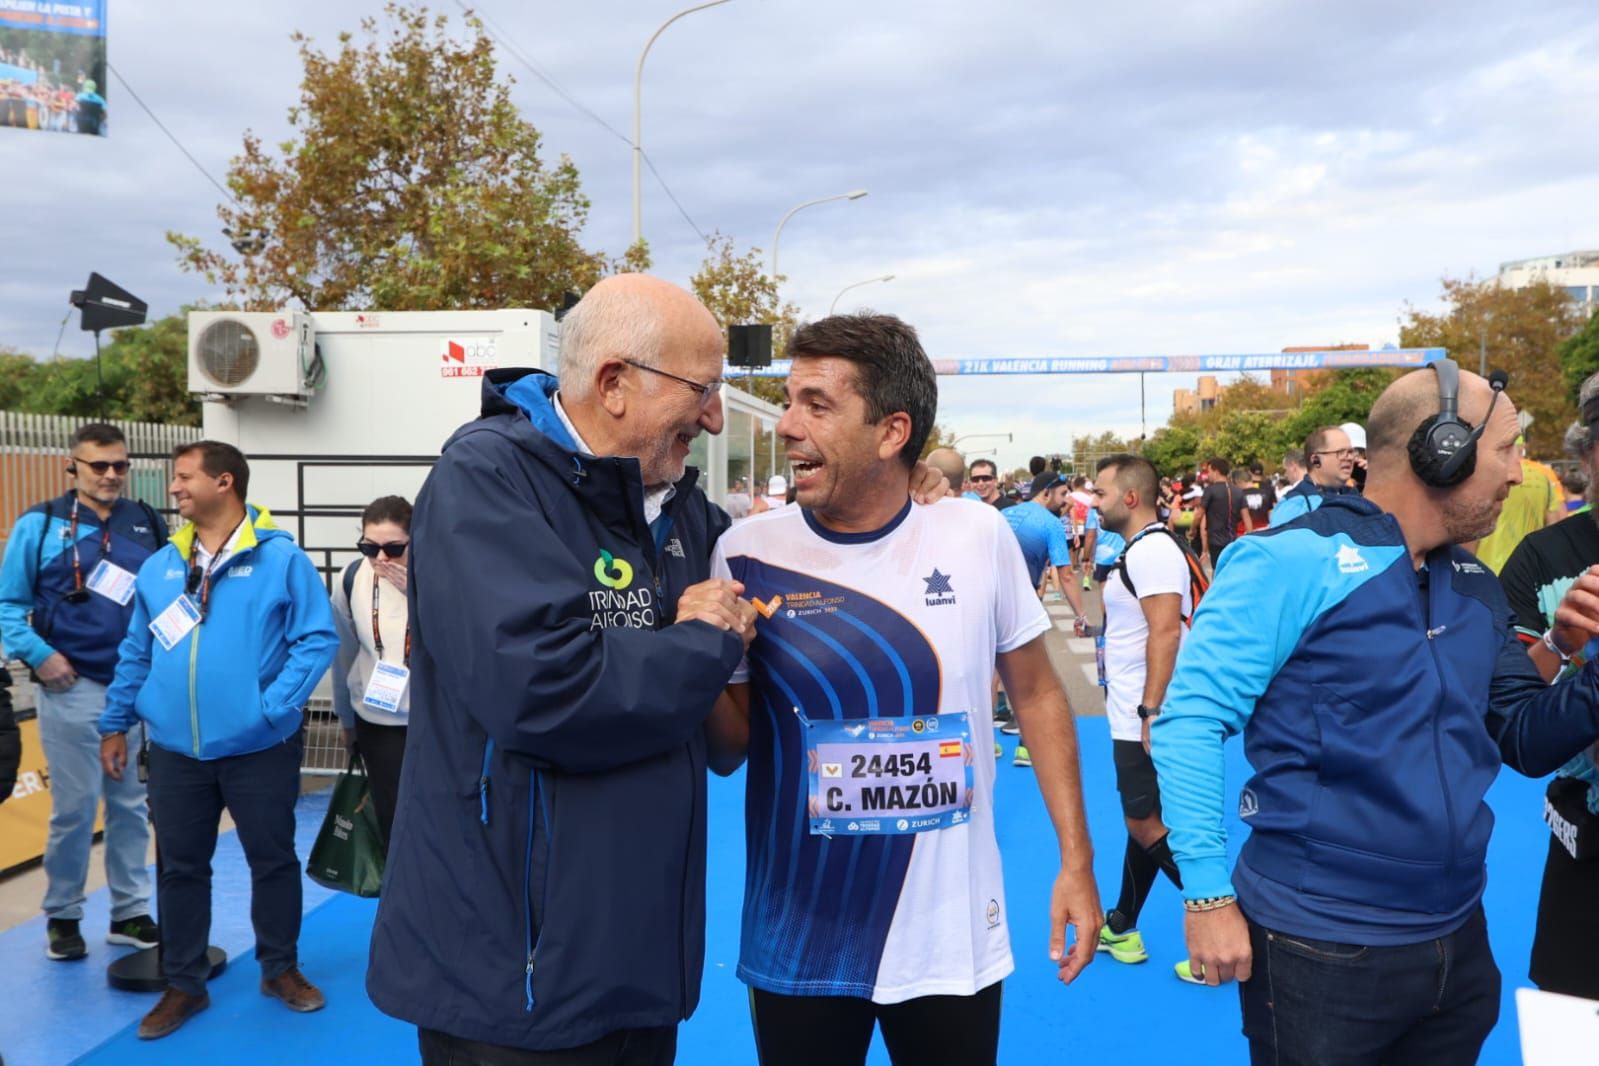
(53, 66)
(1344, 359)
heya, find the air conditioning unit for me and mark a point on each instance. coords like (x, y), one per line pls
(253, 353)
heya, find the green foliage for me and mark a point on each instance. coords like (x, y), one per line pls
(1579, 357)
(146, 378)
(411, 183)
(738, 291)
(1521, 331)
(1175, 448)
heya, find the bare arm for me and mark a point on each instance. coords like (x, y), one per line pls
(1164, 613)
(1068, 588)
(1046, 721)
(727, 730)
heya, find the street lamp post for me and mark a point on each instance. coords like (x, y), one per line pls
(869, 281)
(852, 195)
(1009, 438)
(638, 117)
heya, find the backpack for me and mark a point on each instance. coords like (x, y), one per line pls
(1197, 581)
(349, 580)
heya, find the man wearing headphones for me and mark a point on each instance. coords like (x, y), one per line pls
(1330, 460)
(1376, 712)
(66, 594)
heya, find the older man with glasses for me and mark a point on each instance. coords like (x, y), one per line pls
(65, 600)
(1330, 460)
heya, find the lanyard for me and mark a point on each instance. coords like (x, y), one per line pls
(377, 634)
(72, 535)
(216, 561)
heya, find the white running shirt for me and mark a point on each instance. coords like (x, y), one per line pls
(1156, 565)
(902, 621)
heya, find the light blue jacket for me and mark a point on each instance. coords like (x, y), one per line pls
(238, 681)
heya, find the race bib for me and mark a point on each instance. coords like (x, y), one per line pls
(111, 581)
(889, 776)
(174, 623)
(386, 687)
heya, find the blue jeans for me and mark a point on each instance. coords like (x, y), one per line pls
(186, 798)
(1319, 1003)
(71, 742)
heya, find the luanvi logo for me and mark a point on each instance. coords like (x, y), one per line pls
(612, 572)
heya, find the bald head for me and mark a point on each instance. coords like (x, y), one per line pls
(630, 316)
(1413, 399)
(950, 463)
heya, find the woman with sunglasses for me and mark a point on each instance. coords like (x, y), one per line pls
(370, 691)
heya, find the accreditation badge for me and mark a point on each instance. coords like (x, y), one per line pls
(387, 687)
(174, 623)
(111, 581)
(889, 776)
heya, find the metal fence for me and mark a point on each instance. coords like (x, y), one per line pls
(34, 450)
(33, 454)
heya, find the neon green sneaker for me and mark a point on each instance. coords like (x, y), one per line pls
(1125, 947)
(999, 750)
(1022, 758)
(1185, 973)
(1088, 586)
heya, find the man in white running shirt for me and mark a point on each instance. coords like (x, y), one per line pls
(873, 894)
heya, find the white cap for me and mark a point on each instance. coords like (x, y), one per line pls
(1356, 434)
(777, 486)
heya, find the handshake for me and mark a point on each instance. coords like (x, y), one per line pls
(719, 602)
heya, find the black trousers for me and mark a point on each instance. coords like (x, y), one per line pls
(837, 1030)
(382, 750)
(630, 1047)
(187, 797)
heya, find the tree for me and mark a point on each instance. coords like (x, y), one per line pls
(410, 183)
(1175, 448)
(738, 291)
(1579, 356)
(145, 370)
(1522, 331)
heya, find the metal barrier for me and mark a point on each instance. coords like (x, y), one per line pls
(324, 754)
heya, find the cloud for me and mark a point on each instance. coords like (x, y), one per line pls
(1046, 179)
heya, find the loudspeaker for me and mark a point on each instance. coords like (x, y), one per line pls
(106, 306)
(749, 345)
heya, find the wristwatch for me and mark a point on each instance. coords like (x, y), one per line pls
(1146, 713)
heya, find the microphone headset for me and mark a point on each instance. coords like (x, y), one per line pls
(1443, 449)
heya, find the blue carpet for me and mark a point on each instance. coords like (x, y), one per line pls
(1109, 1009)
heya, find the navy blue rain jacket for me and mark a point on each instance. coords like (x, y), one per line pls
(546, 880)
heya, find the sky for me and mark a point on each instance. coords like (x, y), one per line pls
(1045, 178)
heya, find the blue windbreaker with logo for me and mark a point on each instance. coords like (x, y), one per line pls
(1377, 703)
(37, 575)
(546, 881)
(237, 682)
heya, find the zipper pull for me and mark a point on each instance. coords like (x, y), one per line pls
(483, 798)
(1433, 633)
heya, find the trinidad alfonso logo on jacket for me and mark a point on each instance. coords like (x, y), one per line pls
(618, 604)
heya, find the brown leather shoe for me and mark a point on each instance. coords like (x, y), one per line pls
(295, 991)
(173, 1009)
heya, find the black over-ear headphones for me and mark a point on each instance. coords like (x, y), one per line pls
(1443, 449)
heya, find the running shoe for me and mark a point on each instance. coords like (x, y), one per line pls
(1022, 758)
(1011, 728)
(64, 942)
(1123, 947)
(138, 931)
(1088, 585)
(1185, 973)
(999, 750)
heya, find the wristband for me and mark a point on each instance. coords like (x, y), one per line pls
(1212, 903)
(1549, 642)
(1146, 713)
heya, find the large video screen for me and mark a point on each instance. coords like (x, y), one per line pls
(52, 66)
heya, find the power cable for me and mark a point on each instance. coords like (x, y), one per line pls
(171, 136)
(499, 36)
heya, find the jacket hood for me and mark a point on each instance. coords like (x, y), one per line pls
(258, 527)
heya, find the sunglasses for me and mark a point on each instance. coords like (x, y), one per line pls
(100, 466)
(982, 477)
(393, 549)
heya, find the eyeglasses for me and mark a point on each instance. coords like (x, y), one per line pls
(393, 549)
(1342, 453)
(100, 466)
(982, 477)
(708, 390)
